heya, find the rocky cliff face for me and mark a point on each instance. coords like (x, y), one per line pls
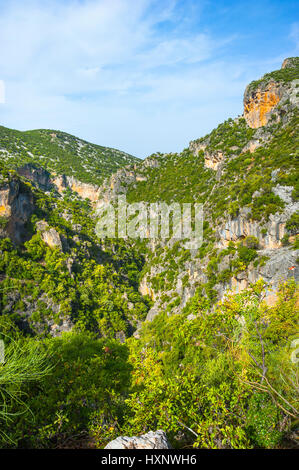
(112, 186)
(118, 183)
(45, 181)
(271, 100)
(49, 235)
(261, 98)
(259, 103)
(146, 289)
(38, 176)
(85, 190)
(212, 159)
(16, 207)
(276, 266)
(274, 271)
(269, 234)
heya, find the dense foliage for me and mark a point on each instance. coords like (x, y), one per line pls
(90, 284)
(218, 380)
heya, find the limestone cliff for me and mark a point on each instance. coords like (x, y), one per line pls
(211, 159)
(259, 103)
(46, 181)
(130, 175)
(49, 235)
(36, 175)
(269, 234)
(16, 207)
(261, 98)
(85, 190)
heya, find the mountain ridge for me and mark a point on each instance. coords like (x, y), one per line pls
(61, 153)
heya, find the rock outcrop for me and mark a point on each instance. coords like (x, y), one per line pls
(38, 176)
(49, 235)
(261, 98)
(45, 181)
(260, 102)
(119, 182)
(274, 271)
(211, 159)
(85, 190)
(270, 234)
(151, 440)
(145, 289)
(289, 62)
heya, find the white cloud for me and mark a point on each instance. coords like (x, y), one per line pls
(294, 34)
(2, 92)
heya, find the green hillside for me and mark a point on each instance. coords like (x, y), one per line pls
(61, 153)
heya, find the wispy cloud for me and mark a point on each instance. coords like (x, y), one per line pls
(2, 92)
(294, 35)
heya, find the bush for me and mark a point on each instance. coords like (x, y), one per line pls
(251, 242)
(292, 224)
(285, 240)
(262, 422)
(246, 255)
(86, 375)
(25, 362)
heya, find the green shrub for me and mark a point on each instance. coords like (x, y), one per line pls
(25, 363)
(246, 255)
(292, 224)
(251, 242)
(262, 422)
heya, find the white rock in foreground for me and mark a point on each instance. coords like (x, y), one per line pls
(151, 440)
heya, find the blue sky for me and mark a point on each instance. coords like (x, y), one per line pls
(138, 75)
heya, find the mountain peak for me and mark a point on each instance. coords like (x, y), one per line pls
(290, 62)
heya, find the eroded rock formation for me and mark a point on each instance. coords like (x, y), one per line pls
(259, 103)
(262, 98)
(49, 235)
(42, 179)
(16, 207)
(38, 176)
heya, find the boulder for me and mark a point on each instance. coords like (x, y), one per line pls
(49, 235)
(40, 177)
(151, 440)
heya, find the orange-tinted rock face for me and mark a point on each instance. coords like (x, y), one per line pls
(4, 210)
(84, 190)
(258, 104)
